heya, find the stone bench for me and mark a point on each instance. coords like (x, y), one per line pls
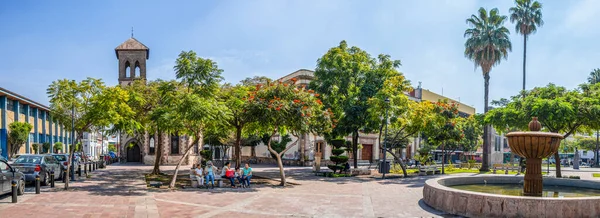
(506, 168)
(423, 170)
(194, 182)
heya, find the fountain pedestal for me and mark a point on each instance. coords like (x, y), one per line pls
(533, 146)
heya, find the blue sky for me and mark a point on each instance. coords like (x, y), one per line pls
(42, 41)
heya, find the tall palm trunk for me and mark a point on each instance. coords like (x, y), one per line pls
(524, 58)
(486, 140)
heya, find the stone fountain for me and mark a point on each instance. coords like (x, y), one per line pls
(533, 146)
(488, 195)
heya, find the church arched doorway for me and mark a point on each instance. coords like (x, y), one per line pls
(134, 153)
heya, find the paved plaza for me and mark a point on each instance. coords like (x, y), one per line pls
(120, 191)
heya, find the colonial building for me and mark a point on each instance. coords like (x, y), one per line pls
(132, 56)
(17, 108)
(309, 146)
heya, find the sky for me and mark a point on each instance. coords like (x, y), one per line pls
(43, 41)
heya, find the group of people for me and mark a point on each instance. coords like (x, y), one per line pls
(243, 175)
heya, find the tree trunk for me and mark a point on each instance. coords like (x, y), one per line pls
(596, 150)
(443, 156)
(281, 172)
(355, 148)
(253, 151)
(399, 160)
(187, 152)
(237, 149)
(557, 159)
(524, 58)
(158, 154)
(486, 140)
(303, 149)
(69, 165)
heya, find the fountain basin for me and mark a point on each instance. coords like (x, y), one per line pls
(439, 194)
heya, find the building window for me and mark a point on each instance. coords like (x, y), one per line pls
(40, 114)
(31, 112)
(174, 144)
(10, 105)
(151, 150)
(21, 108)
(196, 150)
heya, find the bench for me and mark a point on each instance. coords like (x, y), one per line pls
(424, 170)
(194, 182)
(506, 168)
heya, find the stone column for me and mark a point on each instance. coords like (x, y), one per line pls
(533, 185)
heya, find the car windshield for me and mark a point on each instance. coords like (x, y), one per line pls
(29, 159)
(60, 157)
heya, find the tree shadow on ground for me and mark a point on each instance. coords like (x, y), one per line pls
(429, 209)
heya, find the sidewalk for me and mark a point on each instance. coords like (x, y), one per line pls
(116, 191)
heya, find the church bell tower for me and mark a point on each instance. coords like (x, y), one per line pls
(132, 56)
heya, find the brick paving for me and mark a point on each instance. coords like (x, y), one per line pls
(120, 191)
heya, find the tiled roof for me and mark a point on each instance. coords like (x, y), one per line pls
(132, 44)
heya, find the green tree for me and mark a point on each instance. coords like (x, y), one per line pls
(558, 109)
(18, 133)
(112, 147)
(594, 76)
(35, 148)
(471, 129)
(444, 131)
(46, 147)
(58, 146)
(487, 44)
(281, 108)
(527, 16)
(233, 98)
(87, 104)
(196, 109)
(347, 78)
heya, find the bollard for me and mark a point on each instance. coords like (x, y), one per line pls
(14, 191)
(89, 166)
(93, 166)
(52, 179)
(64, 176)
(85, 168)
(37, 184)
(79, 170)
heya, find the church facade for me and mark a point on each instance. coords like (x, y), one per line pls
(132, 56)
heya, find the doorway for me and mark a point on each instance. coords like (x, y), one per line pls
(134, 153)
(367, 152)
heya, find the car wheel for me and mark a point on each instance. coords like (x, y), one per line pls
(21, 189)
(45, 180)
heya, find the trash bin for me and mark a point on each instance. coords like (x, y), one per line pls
(384, 167)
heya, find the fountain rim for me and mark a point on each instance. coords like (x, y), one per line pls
(435, 183)
(535, 134)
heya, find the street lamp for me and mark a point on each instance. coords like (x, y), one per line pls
(71, 170)
(384, 164)
(596, 151)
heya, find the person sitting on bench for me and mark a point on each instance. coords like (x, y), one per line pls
(209, 171)
(199, 175)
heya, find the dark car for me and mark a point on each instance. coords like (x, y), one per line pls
(63, 160)
(7, 174)
(38, 164)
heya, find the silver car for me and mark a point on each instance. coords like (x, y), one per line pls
(7, 174)
(63, 160)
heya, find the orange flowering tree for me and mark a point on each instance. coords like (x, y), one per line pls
(445, 132)
(280, 108)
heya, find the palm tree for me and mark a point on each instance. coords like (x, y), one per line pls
(487, 44)
(594, 76)
(528, 16)
(593, 79)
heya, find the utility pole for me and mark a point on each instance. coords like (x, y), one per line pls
(385, 165)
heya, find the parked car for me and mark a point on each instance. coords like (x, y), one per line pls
(9, 173)
(38, 164)
(63, 159)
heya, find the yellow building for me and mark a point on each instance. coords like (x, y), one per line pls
(16, 108)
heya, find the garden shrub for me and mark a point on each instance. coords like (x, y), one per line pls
(337, 158)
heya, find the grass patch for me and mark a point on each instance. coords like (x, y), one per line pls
(596, 174)
(462, 170)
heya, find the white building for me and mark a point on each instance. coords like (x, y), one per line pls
(93, 144)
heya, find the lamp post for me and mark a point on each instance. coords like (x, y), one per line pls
(72, 171)
(384, 164)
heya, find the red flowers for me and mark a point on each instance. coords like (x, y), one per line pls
(296, 101)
